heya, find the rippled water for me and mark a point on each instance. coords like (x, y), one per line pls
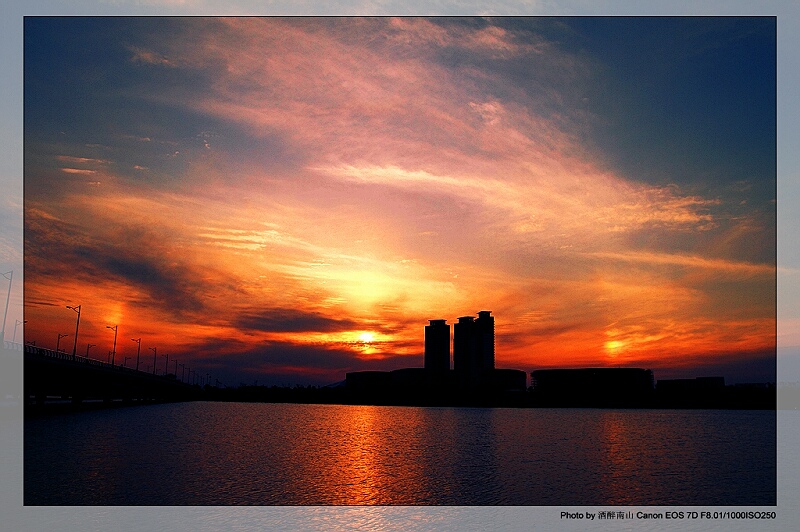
(285, 454)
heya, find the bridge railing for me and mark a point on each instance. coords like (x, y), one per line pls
(61, 355)
(12, 346)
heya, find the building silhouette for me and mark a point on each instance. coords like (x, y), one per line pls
(464, 346)
(484, 328)
(473, 349)
(437, 346)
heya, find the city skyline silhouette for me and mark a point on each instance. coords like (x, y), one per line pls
(56, 381)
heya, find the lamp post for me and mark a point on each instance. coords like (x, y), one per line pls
(87, 348)
(176, 369)
(114, 350)
(138, 348)
(9, 276)
(17, 322)
(166, 364)
(183, 371)
(78, 322)
(155, 353)
(58, 343)
(125, 362)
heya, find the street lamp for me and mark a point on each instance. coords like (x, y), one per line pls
(166, 364)
(9, 276)
(183, 371)
(125, 362)
(87, 348)
(58, 343)
(113, 351)
(17, 322)
(138, 348)
(154, 349)
(78, 322)
(176, 369)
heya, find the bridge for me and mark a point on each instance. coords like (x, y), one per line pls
(57, 377)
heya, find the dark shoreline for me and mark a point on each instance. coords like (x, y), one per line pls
(59, 383)
(729, 398)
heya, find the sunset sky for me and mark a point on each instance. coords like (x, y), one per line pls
(287, 200)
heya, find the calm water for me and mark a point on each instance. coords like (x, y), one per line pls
(285, 454)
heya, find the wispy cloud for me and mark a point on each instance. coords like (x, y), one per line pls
(80, 171)
(149, 57)
(80, 160)
(719, 266)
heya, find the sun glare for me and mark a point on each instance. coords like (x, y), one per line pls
(613, 347)
(366, 337)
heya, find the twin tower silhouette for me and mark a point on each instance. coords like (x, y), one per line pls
(473, 362)
(473, 346)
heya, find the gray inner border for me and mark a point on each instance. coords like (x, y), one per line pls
(13, 516)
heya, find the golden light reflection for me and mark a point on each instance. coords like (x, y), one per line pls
(620, 464)
(360, 470)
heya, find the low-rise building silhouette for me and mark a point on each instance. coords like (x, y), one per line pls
(592, 380)
(505, 380)
(686, 385)
(592, 386)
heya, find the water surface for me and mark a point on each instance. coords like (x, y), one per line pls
(284, 454)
